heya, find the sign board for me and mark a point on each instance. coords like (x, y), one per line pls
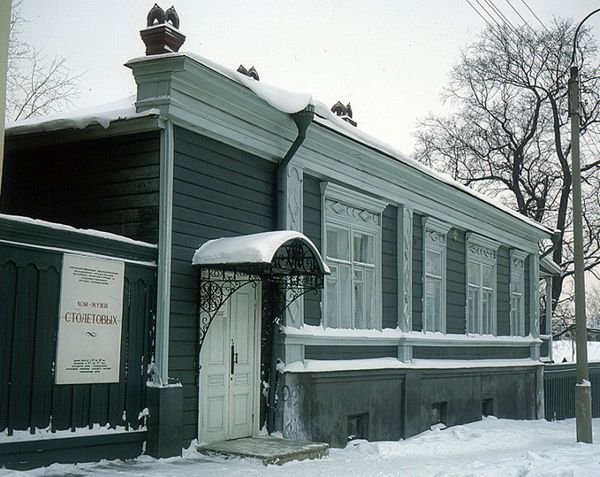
(88, 347)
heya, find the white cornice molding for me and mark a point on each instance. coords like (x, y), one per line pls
(352, 197)
(204, 101)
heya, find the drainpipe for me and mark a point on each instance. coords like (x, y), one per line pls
(302, 119)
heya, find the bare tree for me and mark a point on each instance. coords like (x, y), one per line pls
(509, 133)
(35, 84)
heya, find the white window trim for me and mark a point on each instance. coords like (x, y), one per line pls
(517, 270)
(485, 251)
(359, 212)
(434, 239)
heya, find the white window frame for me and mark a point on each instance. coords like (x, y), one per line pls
(434, 240)
(481, 251)
(517, 292)
(354, 212)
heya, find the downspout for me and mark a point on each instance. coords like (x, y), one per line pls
(303, 120)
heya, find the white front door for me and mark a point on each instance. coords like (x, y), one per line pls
(229, 370)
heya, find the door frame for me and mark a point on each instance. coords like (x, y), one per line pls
(257, 365)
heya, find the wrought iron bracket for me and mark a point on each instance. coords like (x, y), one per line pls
(216, 287)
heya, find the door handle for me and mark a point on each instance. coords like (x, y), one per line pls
(234, 357)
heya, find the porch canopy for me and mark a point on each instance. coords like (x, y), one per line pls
(286, 262)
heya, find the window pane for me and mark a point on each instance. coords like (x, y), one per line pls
(437, 326)
(433, 262)
(345, 302)
(474, 272)
(433, 304)
(331, 284)
(359, 305)
(363, 248)
(517, 281)
(473, 307)
(486, 298)
(488, 276)
(370, 297)
(338, 243)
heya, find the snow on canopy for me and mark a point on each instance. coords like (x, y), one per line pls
(102, 114)
(255, 248)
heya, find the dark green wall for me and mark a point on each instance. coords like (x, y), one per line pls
(350, 352)
(30, 280)
(417, 273)
(461, 352)
(455, 282)
(503, 292)
(389, 267)
(218, 191)
(108, 184)
(312, 229)
(527, 294)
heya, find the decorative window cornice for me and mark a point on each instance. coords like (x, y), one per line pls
(517, 259)
(351, 198)
(484, 247)
(335, 208)
(435, 230)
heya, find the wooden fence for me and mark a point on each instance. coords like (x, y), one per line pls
(559, 390)
(30, 281)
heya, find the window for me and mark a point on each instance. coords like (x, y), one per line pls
(352, 239)
(434, 275)
(517, 287)
(481, 285)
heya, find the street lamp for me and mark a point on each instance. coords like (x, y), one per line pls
(583, 390)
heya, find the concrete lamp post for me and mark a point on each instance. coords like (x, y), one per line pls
(583, 390)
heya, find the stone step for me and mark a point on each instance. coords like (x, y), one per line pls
(270, 450)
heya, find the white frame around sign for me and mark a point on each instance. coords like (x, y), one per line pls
(88, 346)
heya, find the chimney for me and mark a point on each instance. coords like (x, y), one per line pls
(161, 34)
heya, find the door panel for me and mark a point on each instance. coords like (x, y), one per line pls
(227, 399)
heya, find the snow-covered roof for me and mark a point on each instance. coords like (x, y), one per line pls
(68, 228)
(251, 249)
(285, 101)
(292, 102)
(103, 115)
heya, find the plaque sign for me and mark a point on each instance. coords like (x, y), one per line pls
(88, 347)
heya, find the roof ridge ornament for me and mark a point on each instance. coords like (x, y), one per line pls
(344, 112)
(161, 34)
(251, 73)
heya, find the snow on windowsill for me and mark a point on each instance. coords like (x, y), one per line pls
(396, 333)
(313, 365)
(43, 434)
(68, 228)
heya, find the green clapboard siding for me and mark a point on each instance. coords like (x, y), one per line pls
(349, 352)
(527, 295)
(29, 302)
(312, 229)
(503, 292)
(218, 191)
(460, 352)
(109, 184)
(389, 267)
(455, 282)
(417, 273)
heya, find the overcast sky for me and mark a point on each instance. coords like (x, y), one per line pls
(389, 58)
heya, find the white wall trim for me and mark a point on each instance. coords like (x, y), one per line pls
(165, 239)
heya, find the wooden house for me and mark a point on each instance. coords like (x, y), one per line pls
(307, 277)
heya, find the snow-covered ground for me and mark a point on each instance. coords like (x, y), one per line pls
(565, 349)
(492, 447)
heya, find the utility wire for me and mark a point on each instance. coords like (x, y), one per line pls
(521, 16)
(533, 13)
(502, 16)
(478, 13)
